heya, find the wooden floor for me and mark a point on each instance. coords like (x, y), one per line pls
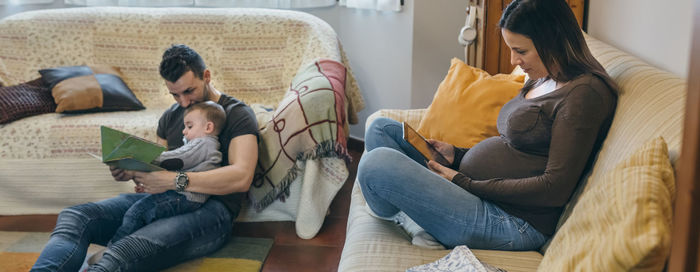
(288, 253)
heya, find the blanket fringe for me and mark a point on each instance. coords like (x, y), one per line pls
(325, 149)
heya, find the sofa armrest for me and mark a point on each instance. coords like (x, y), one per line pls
(412, 116)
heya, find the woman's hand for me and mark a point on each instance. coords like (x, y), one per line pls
(154, 182)
(441, 170)
(447, 150)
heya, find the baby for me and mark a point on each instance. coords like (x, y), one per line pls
(203, 122)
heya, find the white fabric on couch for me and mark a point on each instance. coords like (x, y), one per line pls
(253, 55)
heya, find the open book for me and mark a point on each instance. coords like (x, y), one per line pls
(128, 152)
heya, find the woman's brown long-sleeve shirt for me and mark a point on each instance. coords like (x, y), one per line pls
(545, 144)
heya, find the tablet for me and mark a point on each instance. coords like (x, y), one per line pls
(423, 146)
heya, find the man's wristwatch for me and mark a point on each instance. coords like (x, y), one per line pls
(181, 181)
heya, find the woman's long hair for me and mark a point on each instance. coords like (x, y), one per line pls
(553, 29)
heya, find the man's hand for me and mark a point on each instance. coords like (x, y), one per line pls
(154, 182)
(441, 170)
(120, 174)
(447, 150)
(123, 175)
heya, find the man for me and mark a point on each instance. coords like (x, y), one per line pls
(173, 240)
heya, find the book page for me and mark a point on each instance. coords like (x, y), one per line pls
(129, 152)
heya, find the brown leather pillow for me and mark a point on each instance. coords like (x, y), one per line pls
(24, 100)
(89, 89)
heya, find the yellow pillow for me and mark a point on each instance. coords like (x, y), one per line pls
(466, 105)
(621, 222)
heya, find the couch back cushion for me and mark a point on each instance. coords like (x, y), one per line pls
(623, 221)
(651, 104)
(252, 53)
(466, 105)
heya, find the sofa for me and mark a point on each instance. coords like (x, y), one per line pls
(651, 104)
(254, 55)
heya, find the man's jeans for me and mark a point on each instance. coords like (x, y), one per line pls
(393, 178)
(156, 246)
(152, 208)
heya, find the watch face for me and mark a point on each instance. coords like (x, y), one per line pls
(181, 181)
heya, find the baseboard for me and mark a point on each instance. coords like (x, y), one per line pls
(356, 144)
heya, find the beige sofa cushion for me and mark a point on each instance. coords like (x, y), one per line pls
(44, 161)
(379, 245)
(622, 222)
(412, 117)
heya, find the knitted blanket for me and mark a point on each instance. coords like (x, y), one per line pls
(308, 124)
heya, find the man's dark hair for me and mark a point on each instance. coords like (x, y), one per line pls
(179, 59)
(553, 29)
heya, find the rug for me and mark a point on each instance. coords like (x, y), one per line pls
(19, 250)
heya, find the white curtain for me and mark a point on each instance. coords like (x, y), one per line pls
(203, 3)
(266, 3)
(389, 5)
(155, 3)
(24, 2)
(134, 3)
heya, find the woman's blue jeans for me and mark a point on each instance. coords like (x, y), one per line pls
(161, 244)
(393, 178)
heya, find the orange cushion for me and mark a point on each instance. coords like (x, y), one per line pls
(466, 105)
(89, 89)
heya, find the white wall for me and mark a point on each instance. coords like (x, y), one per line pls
(379, 47)
(659, 32)
(436, 25)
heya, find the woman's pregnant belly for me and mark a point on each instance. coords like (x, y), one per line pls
(495, 158)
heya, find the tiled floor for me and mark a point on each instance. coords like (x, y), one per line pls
(288, 253)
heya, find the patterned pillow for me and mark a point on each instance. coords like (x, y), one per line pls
(24, 100)
(89, 89)
(622, 222)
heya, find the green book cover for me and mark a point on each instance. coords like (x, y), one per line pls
(129, 152)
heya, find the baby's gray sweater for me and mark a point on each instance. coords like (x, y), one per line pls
(200, 154)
